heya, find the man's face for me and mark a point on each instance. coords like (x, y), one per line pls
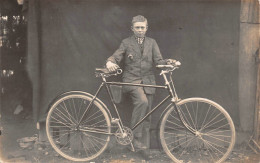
(139, 28)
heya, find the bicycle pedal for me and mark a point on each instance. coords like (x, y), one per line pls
(132, 147)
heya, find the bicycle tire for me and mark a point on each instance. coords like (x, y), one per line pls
(78, 143)
(213, 140)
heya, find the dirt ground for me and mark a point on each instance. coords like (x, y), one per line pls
(16, 127)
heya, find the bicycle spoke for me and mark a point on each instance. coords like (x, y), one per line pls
(225, 136)
(92, 145)
(179, 135)
(213, 146)
(217, 131)
(94, 129)
(97, 140)
(67, 141)
(178, 140)
(212, 157)
(196, 116)
(185, 118)
(205, 117)
(64, 115)
(214, 150)
(209, 122)
(207, 126)
(190, 116)
(219, 127)
(181, 126)
(75, 110)
(174, 128)
(99, 122)
(200, 115)
(86, 121)
(218, 138)
(61, 136)
(58, 131)
(182, 144)
(95, 137)
(174, 134)
(65, 108)
(185, 149)
(60, 122)
(84, 146)
(175, 118)
(89, 118)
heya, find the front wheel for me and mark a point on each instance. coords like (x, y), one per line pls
(73, 140)
(211, 137)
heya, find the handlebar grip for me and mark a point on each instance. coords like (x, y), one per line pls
(119, 71)
(165, 66)
(106, 71)
(177, 63)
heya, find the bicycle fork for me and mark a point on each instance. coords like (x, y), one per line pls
(175, 99)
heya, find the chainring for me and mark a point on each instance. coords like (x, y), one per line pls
(124, 138)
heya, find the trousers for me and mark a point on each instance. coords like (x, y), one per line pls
(142, 104)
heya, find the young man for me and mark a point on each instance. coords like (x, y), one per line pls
(139, 54)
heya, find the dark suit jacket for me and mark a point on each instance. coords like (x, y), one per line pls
(138, 66)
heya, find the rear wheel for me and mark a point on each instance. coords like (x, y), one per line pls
(213, 135)
(74, 141)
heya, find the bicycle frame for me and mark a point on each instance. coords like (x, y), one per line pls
(168, 85)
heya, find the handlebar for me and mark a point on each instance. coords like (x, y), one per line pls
(106, 73)
(174, 65)
(165, 66)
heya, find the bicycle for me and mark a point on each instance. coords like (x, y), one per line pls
(79, 125)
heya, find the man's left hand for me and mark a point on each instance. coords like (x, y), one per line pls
(170, 61)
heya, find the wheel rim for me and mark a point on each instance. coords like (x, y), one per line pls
(71, 140)
(214, 137)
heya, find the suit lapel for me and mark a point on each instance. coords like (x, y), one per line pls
(146, 45)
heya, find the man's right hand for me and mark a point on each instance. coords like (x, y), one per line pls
(111, 66)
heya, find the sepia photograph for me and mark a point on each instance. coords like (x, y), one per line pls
(129, 81)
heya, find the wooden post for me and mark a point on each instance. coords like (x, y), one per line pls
(248, 45)
(257, 106)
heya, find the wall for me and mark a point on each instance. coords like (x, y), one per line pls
(75, 37)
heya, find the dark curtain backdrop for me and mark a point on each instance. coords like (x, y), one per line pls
(68, 39)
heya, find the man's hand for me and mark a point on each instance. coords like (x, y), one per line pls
(170, 61)
(111, 66)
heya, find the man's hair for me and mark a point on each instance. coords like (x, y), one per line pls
(139, 18)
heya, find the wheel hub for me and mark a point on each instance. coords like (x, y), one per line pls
(197, 133)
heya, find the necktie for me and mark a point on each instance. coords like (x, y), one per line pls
(140, 40)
